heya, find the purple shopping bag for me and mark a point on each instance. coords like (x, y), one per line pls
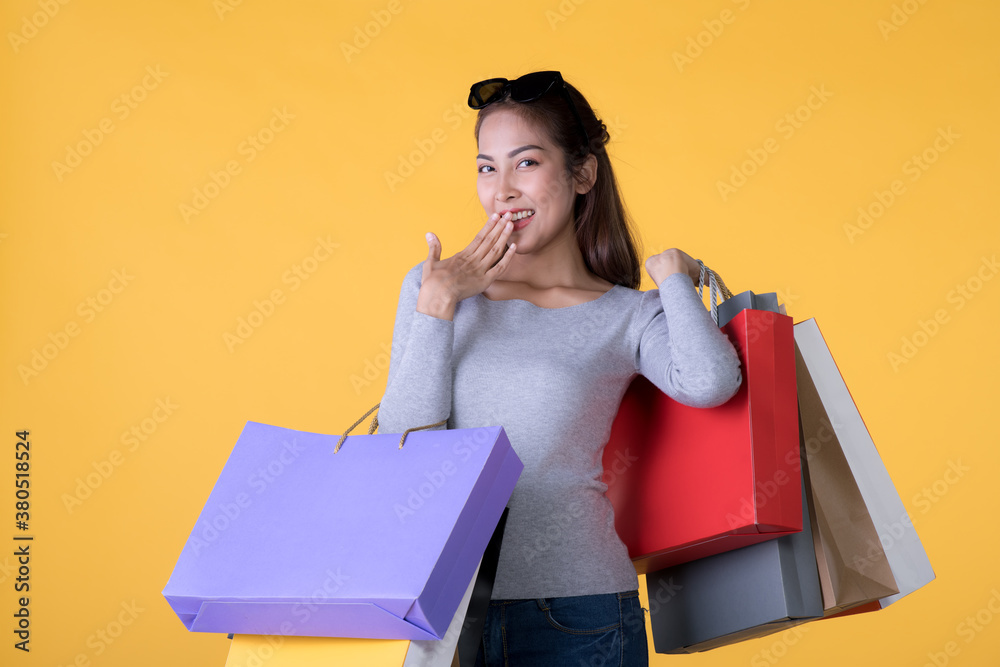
(373, 541)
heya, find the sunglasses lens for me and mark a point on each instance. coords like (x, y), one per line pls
(530, 87)
(485, 92)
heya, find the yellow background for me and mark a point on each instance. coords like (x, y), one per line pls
(398, 98)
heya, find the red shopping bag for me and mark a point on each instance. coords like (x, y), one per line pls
(687, 483)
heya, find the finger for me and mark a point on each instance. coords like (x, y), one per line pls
(694, 269)
(502, 265)
(496, 251)
(481, 234)
(495, 239)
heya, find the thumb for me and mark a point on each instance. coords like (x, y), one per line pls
(433, 247)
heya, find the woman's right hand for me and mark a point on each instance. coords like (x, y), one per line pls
(445, 282)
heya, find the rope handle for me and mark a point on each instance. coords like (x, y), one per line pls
(374, 425)
(716, 288)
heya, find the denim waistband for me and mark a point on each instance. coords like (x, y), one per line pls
(623, 595)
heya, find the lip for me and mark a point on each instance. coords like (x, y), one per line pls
(523, 222)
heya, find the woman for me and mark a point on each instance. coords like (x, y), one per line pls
(537, 326)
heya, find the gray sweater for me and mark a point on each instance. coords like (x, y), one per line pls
(554, 378)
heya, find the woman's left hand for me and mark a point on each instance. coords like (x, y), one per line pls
(672, 261)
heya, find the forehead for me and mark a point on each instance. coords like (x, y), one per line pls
(506, 128)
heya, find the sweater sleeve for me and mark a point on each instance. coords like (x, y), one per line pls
(419, 384)
(681, 350)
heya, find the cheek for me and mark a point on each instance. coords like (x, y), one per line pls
(554, 200)
(557, 192)
(547, 194)
(484, 197)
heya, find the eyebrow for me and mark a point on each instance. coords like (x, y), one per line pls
(512, 153)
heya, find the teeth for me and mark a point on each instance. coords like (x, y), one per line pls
(521, 214)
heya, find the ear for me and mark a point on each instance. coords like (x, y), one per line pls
(587, 175)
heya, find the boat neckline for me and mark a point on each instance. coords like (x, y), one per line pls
(534, 305)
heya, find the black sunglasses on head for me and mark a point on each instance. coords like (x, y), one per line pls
(527, 88)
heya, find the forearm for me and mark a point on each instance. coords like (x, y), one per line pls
(419, 385)
(419, 390)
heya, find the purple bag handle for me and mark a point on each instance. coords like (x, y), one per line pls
(374, 425)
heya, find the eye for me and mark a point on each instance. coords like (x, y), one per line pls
(481, 168)
(527, 159)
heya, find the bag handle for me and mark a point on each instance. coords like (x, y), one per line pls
(716, 287)
(374, 425)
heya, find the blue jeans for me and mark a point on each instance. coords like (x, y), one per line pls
(606, 630)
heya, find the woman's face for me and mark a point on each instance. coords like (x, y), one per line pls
(521, 170)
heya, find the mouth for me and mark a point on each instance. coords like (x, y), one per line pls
(522, 218)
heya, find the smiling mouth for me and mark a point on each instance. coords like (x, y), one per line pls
(522, 214)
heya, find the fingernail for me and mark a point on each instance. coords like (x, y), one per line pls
(428, 236)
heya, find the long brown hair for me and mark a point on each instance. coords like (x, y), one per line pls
(603, 226)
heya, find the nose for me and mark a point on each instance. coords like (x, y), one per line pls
(506, 189)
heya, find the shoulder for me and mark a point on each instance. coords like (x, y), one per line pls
(638, 302)
(646, 306)
(635, 307)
